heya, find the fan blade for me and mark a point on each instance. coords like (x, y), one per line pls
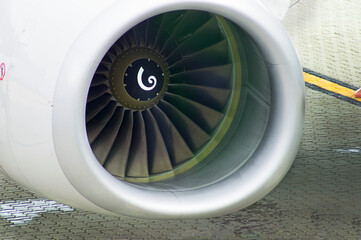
(98, 79)
(96, 92)
(117, 49)
(104, 142)
(138, 156)
(140, 33)
(123, 43)
(190, 131)
(130, 36)
(215, 98)
(207, 35)
(116, 162)
(103, 70)
(153, 26)
(169, 22)
(108, 58)
(158, 157)
(94, 107)
(190, 23)
(214, 55)
(96, 125)
(215, 76)
(177, 148)
(205, 117)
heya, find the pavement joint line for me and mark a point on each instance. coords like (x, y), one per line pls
(331, 86)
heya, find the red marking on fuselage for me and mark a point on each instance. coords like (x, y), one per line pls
(2, 71)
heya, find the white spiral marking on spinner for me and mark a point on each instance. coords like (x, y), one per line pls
(152, 80)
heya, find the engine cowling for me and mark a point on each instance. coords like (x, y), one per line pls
(154, 109)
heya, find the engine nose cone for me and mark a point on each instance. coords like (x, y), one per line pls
(138, 78)
(144, 79)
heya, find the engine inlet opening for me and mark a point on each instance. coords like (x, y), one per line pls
(166, 96)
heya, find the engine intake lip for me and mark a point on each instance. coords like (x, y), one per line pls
(236, 190)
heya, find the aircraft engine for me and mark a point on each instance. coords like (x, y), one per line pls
(153, 109)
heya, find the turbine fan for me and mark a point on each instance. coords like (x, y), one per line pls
(143, 131)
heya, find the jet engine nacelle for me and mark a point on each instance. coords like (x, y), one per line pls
(154, 109)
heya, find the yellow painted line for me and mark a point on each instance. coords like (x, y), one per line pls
(330, 86)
